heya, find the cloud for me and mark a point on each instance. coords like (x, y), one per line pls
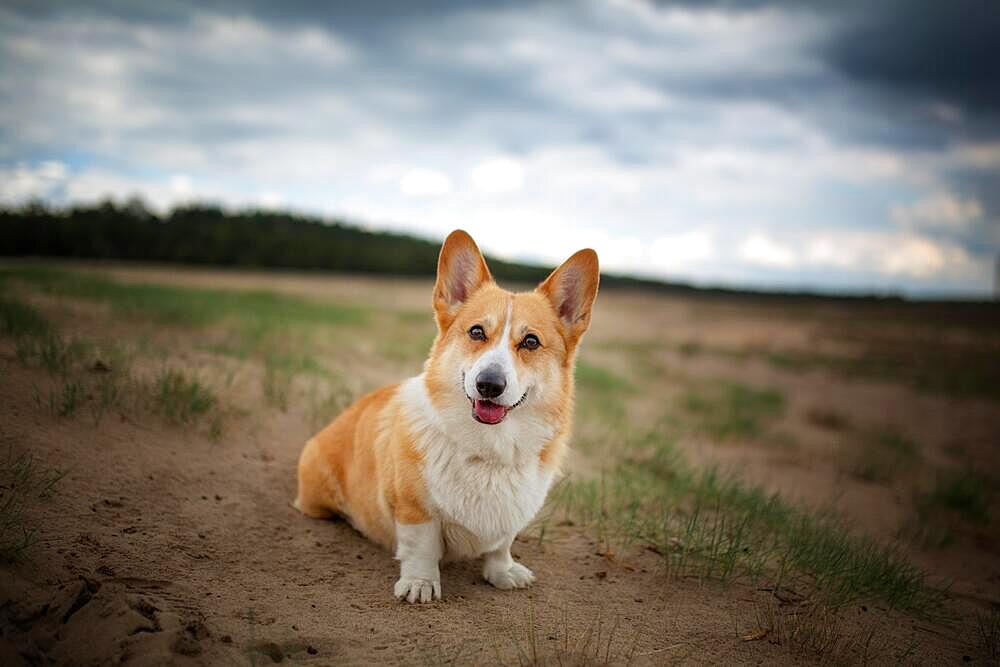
(941, 210)
(22, 183)
(53, 180)
(498, 176)
(982, 155)
(715, 141)
(675, 252)
(95, 185)
(887, 254)
(947, 54)
(424, 183)
(947, 51)
(760, 249)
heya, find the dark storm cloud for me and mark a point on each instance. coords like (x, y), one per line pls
(370, 18)
(943, 51)
(917, 61)
(901, 51)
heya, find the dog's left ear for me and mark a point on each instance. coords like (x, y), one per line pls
(461, 271)
(571, 289)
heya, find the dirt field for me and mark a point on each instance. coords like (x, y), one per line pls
(151, 418)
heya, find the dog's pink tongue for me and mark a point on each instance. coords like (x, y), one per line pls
(491, 413)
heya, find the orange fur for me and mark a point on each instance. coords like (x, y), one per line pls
(364, 467)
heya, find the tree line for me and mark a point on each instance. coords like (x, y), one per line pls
(210, 235)
(207, 234)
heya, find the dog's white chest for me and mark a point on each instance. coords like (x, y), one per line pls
(483, 504)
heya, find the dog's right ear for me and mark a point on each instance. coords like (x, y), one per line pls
(461, 271)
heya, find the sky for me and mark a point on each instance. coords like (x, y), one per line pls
(850, 146)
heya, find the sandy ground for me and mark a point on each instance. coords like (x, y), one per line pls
(165, 544)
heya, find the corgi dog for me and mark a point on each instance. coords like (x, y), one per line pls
(453, 463)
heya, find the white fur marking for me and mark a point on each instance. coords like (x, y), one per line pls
(419, 549)
(485, 482)
(498, 354)
(503, 572)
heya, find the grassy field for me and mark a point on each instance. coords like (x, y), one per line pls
(801, 481)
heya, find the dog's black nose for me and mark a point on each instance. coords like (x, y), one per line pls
(490, 382)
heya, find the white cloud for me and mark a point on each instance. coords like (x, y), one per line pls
(244, 38)
(181, 184)
(914, 256)
(879, 253)
(589, 91)
(271, 200)
(940, 210)
(584, 171)
(96, 184)
(21, 183)
(705, 43)
(424, 183)
(765, 251)
(678, 251)
(832, 250)
(498, 176)
(599, 56)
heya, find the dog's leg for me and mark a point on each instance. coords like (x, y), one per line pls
(503, 572)
(418, 550)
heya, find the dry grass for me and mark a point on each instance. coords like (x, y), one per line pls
(988, 635)
(813, 631)
(528, 643)
(23, 483)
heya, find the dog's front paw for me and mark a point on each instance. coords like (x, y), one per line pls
(417, 589)
(516, 576)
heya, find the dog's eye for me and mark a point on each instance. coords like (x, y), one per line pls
(477, 333)
(530, 342)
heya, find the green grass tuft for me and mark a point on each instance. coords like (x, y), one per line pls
(690, 348)
(22, 483)
(600, 380)
(50, 351)
(68, 399)
(881, 456)
(733, 411)
(36, 342)
(408, 345)
(19, 319)
(280, 371)
(180, 398)
(600, 394)
(926, 361)
(962, 492)
(188, 305)
(711, 526)
(108, 395)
